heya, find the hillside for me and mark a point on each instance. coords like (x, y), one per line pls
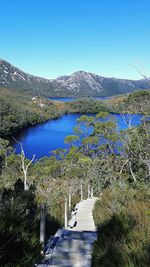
(135, 103)
(76, 85)
(18, 111)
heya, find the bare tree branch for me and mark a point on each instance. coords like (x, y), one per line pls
(23, 164)
(141, 72)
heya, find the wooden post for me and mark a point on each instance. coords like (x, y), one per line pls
(81, 191)
(70, 199)
(88, 191)
(66, 213)
(91, 191)
(43, 225)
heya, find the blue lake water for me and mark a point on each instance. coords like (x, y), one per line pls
(70, 99)
(46, 137)
(63, 99)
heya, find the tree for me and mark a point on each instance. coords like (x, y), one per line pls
(25, 165)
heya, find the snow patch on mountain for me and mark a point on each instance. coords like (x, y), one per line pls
(80, 83)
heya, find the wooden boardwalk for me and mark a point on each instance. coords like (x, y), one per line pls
(73, 247)
(84, 216)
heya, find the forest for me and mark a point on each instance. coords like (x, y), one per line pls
(117, 165)
(18, 111)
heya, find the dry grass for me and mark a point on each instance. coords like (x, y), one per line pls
(124, 229)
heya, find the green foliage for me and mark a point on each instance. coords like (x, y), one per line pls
(122, 216)
(135, 103)
(136, 143)
(20, 111)
(71, 139)
(87, 105)
(98, 135)
(19, 239)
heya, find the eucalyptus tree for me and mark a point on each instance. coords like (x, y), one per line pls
(136, 142)
(96, 154)
(24, 163)
(71, 140)
(84, 130)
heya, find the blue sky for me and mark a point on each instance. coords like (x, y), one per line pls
(51, 38)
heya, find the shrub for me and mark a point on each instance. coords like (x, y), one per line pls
(124, 230)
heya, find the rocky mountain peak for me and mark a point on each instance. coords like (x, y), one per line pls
(80, 83)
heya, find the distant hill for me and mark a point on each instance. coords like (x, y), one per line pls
(76, 85)
(19, 111)
(134, 103)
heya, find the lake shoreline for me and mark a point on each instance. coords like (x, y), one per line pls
(67, 110)
(46, 137)
(17, 131)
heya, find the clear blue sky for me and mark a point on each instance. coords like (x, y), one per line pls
(50, 38)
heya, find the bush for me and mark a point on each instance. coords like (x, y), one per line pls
(124, 230)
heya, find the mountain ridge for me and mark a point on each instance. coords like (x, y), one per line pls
(78, 84)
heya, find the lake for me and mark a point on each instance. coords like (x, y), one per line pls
(63, 99)
(70, 99)
(46, 137)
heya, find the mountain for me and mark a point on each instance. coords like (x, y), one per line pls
(78, 84)
(89, 84)
(12, 77)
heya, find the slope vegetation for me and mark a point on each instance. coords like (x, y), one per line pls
(137, 102)
(18, 111)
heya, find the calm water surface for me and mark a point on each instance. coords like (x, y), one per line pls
(70, 99)
(63, 99)
(43, 138)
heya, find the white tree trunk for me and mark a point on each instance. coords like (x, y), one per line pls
(70, 199)
(91, 191)
(81, 191)
(24, 165)
(131, 171)
(26, 187)
(88, 191)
